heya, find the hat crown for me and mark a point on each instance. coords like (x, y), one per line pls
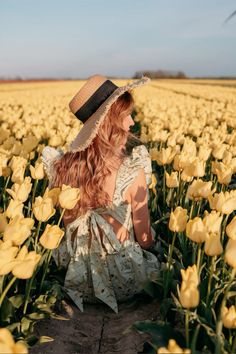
(87, 90)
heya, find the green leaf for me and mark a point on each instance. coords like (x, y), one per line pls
(17, 300)
(7, 311)
(36, 316)
(45, 339)
(160, 332)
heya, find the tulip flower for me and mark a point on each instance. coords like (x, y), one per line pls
(7, 255)
(223, 202)
(21, 191)
(164, 156)
(178, 219)
(53, 194)
(7, 344)
(173, 348)
(51, 237)
(196, 168)
(230, 252)
(213, 246)
(37, 171)
(30, 143)
(172, 180)
(189, 294)
(68, 197)
(228, 316)
(199, 189)
(25, 263)
(195, 230)
(153, 183)
(43, 208)
(18, 230)
(231, 229)
(15, 207)
(212, 221)
(3, 222)
(18, 165)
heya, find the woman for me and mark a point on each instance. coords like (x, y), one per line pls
(108, 232)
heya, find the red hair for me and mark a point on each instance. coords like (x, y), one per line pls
(87, 169)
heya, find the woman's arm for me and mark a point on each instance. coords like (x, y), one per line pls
(140, 211)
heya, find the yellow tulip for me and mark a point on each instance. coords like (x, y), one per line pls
(25, 263)
(195, 168)
(189, 294)
(230, 252)
(53, 194)
(18, 165)
(223, 172)
(3, 221)
(213, 246)
(3, 163)
(153, 183)
(199, 189)
(68, 197)
(37, 171)
(15, 207)
(228, 316)
(18, 230)
(204, 152)
(195, 230)
(190, 275)
(223, 202)
(212, 221)
(164, 156)
(173, 348)
(185, 177)
(7, 344)
(21, 191)
(178, 219)
(30, 143)
(51, 237)
(43, 208)
(231, 229)
(172, 180)
(7, 255)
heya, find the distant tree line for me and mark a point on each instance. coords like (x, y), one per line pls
(158, 74)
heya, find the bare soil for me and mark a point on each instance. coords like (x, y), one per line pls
(98, 329)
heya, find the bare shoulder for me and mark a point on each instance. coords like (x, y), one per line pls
(138, 186)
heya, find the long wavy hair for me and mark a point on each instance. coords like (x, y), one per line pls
(88, 169)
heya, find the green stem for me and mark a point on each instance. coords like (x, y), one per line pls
(37, 234)
(28, 288)
(212, 269)
(6, 289)
(45, 270)
(171, 249)
(199, 257)
(33, 194)
(187, 328)
(191, 210)
(219, 322)
(234, 346)
(61, 216)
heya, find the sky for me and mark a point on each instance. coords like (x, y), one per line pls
(80, 38)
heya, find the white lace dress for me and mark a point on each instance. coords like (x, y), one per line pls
(108, 271)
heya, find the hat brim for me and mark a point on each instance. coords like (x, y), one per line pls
(90, 128)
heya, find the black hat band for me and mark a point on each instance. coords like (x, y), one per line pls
(95, 101)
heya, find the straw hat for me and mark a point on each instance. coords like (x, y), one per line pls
(91, 104)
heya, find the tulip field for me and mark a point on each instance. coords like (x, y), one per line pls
(188, 127)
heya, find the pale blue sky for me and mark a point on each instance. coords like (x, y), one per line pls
(78, 38)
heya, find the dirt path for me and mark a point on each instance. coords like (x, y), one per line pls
(98, 329)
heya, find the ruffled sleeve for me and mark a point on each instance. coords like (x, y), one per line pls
(142, 158)
(49, 156)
